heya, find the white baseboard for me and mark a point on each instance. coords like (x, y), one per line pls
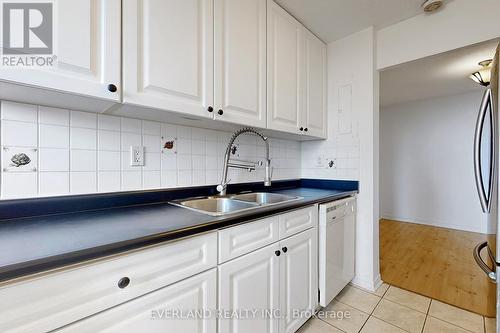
(432, 223)
(367, 284)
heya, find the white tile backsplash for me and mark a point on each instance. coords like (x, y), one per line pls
(83, 160)
(83, 182)
(83, 119)
(53, 136)
(108, 140)
(53, 116)
(53, 183)
(83, 138)
(19, 134)
(77, 152)
(19, 185)
(20, 112)
(54, 159)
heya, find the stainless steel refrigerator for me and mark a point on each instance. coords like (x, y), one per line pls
(486, 166)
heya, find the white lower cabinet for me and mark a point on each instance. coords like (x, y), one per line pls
(156, 312)
(250, 282)
(279, 282)
(298, 279)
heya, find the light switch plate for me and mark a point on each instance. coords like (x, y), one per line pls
(137, 156)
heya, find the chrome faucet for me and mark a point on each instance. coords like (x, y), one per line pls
(250, 166)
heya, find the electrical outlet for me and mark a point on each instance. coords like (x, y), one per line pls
(136, 156)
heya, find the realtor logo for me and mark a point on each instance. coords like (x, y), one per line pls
(27, 28)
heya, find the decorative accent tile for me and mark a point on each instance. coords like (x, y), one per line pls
(19, 159)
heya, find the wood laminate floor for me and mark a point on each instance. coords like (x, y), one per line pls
(437, 263)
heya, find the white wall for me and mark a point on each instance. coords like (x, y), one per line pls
(460, 23)
(353, 141)
(74, 152)
(426, 164)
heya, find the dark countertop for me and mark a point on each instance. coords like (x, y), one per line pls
(33, 244)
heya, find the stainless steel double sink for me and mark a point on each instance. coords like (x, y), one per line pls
(217, 206)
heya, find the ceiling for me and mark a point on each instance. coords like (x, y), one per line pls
(442, 75)
(334, 19)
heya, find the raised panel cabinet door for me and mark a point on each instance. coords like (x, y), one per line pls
(250, 282)
(176, 308)
(168, 55)
(240, 61)
(285, 70)
(86, 51)
(315, 115)
(293, 222)
(298, 279)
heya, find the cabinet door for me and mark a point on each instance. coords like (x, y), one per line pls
(314, 117)
(298, 279)
(155, 312)
(240, 61)
(87, 49)
(250, 282)
(285, 70)
(168, 55)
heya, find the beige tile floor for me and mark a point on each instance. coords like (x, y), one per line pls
(391, 309)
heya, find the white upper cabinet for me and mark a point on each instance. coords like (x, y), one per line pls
(314, 115)
(86, 48)
(285, 70)
(296, 83)
(240, 61)
(168, 55)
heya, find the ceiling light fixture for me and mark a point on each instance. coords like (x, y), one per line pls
(483, 75)
(430, 6)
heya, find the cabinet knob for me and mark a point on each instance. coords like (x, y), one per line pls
(285, 249)
(112, 88)
(210, 109)
(220, 112)
(302, 128)
(305, 129)
(277, 253)
(124, 282)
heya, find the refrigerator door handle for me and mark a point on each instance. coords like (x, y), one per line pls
(477, 257)
(477, 151)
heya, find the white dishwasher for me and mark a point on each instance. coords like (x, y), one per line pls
(337, 229)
